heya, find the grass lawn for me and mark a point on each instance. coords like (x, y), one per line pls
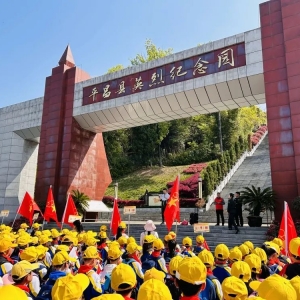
(133, 186)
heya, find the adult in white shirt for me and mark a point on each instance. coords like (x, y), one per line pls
(164, 198)
(149, 229)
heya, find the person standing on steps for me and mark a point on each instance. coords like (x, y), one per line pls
(239, 210)
(231, 209)
(164, 198)
(219, 203)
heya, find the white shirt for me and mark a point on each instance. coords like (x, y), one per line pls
(145, 233)
(107, 270)
(165, 197)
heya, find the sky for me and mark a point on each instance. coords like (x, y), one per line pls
(102, 34)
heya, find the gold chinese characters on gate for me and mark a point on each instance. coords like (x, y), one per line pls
(201, 65)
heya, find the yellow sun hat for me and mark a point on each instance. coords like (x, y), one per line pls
(22, 269)
(241, 270)
(261, 253)
(174, 264)
(295, 282)
(11, 292)
(207, 258)
(122, 240)
(234, 288)
(70, 287)
(30, 254)
(36, 225)
(158, 244)
(114, 253)
(122, 225)
(131, 239)
(254, 263)
(200, 239)
(154, 289)
(91, 252)
(222, 252)
(274, 287)
(154, 274)
(24, 226)
(235, 254)
(122, 274)
(61, 258)
(187, 241)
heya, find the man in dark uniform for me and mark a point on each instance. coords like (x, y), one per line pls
(231, 209)
(239, 210)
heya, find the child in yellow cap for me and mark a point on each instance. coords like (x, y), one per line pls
(102, 247)
(191, 277)
(154, 289)
(199, 244)
(6, 249)
(171, 248)
(156, 258)
(10, 292)
(22, 276)
(284, 259)
(221, 270)
(123, 281)
(121, 230)
(234, 288)
(213, 288)
(293, 269)
(147, 247)
(272, 250)
(170, 280)
(90, 262)
(187, 245)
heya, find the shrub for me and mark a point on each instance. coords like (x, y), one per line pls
(195, 168)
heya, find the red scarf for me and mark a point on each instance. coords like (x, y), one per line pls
(9, 259)
(156, 253)
(135, 257)
(23, 288)
(84, 269)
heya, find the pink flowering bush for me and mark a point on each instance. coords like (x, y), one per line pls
(195, 168)
(256, 136)
(188, 188)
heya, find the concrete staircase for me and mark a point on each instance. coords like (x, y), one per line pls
(255, 170)
(217, 234)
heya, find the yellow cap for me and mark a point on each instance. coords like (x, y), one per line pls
(10, 292)
(261, 253)
(6, 244)
(41, 250)
(121, 274)
(167, 238)
(295, 282)
(30, 254)
(2, 227)
(154, 274)
(65, 231)
(122, 225)
(91, 252)
(80, 237)
(103, 228)
(91, 241)
(109, 297)
(102, 235)
(158, 244)
(24, 226)
(234, 288)
(44, 239)
(241, 270)
(222, 252)
(132, 247)
(154, 289)
(115, 244)
(70, 287)
(187, 241)
(63, 248)
(68, 238)
(131, 239)
(61, 257)
(174, 263)
(294, 246)
(279, 242)
(249, 245)
(192, 270)
(274, 287)
(55, 233)
(36, 225)
(254, 262)
(173, 234)
(206, 257)
(274, 247)
(200, 239)
(24, 240)
(34, 240)
(114, 253)
(244, 249)
(255, 298)
(22, 269)
(46, 232)
(122, 240)
(235, 254)
(148, 239)
(38, 233)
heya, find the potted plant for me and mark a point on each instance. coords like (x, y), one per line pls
(257, 200)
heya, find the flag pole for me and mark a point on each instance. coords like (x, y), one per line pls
(285, 228)
(45, 208)
(178, 203)
(12, 226)
(62, 221)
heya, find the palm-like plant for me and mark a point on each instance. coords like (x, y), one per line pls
(81, 201)
(258, 200)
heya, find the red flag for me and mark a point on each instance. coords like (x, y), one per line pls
(70, 209)
(26, 208)
(115, 218)
(287, 229)
(50, 210)
(172, 211)
(36, 207)
(205, 245)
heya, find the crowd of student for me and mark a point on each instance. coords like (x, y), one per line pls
(67, 265)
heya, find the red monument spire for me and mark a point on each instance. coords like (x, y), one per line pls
(67, 58)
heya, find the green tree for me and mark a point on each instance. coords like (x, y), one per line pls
(115, 69)
(81, 201)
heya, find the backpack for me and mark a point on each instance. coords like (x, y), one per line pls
(45, 291)
(209, 293)
(106, 286)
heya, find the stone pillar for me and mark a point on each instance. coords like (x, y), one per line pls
(69, 157)
(280, 28)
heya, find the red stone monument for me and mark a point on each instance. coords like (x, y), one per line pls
(69, 157)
